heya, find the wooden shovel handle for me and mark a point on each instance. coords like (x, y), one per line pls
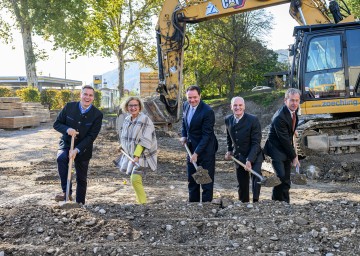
(71, 160)
(251, 170)
(129, 157)
(189, 153)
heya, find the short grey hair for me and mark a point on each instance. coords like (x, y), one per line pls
(292, 91)
(235, 98)
(125, 104)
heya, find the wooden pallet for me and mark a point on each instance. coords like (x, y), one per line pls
(148, 83)
(18, 122)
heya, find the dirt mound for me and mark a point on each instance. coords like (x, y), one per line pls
(162, 228)
(322, 218)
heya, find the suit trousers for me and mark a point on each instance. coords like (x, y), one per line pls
(81, 168)
(243, 178)
(194, 188)
(283, 170)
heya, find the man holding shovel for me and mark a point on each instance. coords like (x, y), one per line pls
(243, 142)
(83, 120)
(198, 133)
(279, 145)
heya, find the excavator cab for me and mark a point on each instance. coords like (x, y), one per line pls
(326, 66)
(326, 69)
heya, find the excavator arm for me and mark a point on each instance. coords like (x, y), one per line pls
(171, 39)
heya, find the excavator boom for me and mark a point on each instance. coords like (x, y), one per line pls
(171, 39)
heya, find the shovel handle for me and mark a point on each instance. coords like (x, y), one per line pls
(251, 170)
(189, 153)
(71, 160)
(129, 157)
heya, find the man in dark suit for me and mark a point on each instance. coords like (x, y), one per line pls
(243, 142)
(198, 132)
(279, 145)
(85, 119)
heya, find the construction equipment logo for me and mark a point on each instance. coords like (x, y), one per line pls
(211, 9)
(340, 103)
(232, 4)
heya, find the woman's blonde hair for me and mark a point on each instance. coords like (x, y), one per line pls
(124, 105)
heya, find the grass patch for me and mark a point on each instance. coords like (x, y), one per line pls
(265, 99)
(216, 102)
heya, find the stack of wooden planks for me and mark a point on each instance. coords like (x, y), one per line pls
(148, 83)
(36, 109)
(12, 114)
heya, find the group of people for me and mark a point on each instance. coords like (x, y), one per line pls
(139, 146)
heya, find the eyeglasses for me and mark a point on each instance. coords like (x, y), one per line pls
(133, 106)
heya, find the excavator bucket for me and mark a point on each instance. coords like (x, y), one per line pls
(157, 111)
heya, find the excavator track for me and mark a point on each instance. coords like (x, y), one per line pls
(336, 136)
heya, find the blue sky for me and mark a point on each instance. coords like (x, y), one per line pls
(84, 68)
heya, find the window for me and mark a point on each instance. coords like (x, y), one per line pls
(324, 75)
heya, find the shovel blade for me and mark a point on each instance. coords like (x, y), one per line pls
(201, 176)
(270, 182)
(68, 205)
(298, 179)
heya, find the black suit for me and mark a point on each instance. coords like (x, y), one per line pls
(88, 125)
(202, 141)
(279, 146)
(243, 139)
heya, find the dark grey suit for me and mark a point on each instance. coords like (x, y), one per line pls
(243, 139)
(279, 146)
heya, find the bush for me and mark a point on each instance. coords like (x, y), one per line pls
(65, 97)
(97, 100)
(6, 92)
(28, 94)
(50, 97)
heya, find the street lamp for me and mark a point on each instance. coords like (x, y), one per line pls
(65, 69)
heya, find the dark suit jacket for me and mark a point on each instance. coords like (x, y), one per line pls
(244, 138)
(88, 125)
(279, 145)
(200, 133)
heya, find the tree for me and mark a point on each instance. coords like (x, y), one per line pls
(230, 52)
(108, 27)
(23, 21)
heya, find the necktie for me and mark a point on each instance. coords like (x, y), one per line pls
(190, 115)
(293, 120)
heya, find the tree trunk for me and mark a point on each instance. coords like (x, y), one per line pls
(30, 60)
(121, 71)
(22, 18)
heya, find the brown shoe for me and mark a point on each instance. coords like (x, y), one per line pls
(61, 197)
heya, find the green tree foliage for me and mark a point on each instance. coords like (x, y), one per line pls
(6, 92)
(109, 27)
(28, 94)
(22, 12)
(354, 6)
(228, 55)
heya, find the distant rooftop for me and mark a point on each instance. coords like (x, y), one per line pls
(45, 82)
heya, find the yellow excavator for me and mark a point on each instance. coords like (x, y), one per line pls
(325, 66)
